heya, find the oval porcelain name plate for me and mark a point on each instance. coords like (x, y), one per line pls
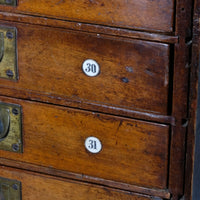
(91, 67)
(93, 145)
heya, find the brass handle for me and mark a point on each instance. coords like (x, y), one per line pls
(8, 53)
(4, 122)
(1, 196)
(1, 46)
(8, 3)
(10, 189)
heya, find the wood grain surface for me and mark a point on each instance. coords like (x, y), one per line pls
(144, 14)
(92, 28)
(162, 193)
(133, 151)
(37, 186)
(134, 73)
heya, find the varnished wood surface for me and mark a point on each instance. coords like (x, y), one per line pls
(50, 63)
(92, 28)
(120, 13)
(37, 186)
(134, 152)
(34, 96)
(179, 107)
(162, 193)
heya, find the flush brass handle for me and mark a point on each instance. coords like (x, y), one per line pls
(1, 46)
(2, 196)
(8, 53)
(4, 122)
(11, 128)
(8, 3)
(10, 189)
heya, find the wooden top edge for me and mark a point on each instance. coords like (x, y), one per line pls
(97, 29)
(162, 193)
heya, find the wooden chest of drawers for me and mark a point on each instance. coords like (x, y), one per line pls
(98, 99)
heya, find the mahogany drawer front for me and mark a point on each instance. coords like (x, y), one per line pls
(134, 74)
(121, 13)
(133, 151)
(36, 186)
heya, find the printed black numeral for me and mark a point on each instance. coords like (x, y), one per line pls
(93, 144)
(91, 68)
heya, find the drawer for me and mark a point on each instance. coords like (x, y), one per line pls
(37, 186)
(121, 13)
(133, 74)
(126, 150)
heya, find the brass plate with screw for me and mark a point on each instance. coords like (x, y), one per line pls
(10, 128)
(8, 53)
(9, 2)
(10, 189)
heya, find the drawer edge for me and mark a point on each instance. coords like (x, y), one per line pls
(162, 193)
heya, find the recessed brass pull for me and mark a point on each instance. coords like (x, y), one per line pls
(8, 53)
(11, 128)
(4, 122)
(1, 45)
(9, 3)
(10, 189)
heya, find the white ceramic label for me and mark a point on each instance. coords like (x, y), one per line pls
(91, 67)
(93, 144)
